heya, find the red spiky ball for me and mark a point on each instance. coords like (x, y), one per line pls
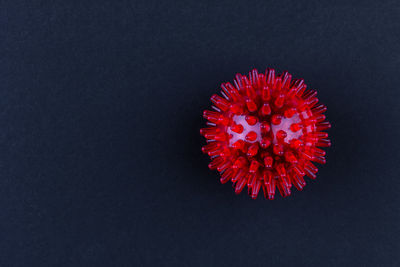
(265, 132)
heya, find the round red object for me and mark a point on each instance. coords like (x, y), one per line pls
(265, 132)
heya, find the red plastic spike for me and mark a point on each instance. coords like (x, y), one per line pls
(264, 133)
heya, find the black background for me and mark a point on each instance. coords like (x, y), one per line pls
(100, 109)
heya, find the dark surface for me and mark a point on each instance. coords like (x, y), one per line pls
(100, 109)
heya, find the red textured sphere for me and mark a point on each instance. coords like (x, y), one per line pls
(264, 132)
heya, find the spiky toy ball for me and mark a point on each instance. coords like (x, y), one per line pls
(265, 132)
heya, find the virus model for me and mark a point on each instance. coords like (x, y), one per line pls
(264, 132)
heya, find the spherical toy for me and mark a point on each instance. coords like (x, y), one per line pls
(266, 131)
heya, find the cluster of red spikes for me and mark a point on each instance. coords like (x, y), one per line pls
(265, 132)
